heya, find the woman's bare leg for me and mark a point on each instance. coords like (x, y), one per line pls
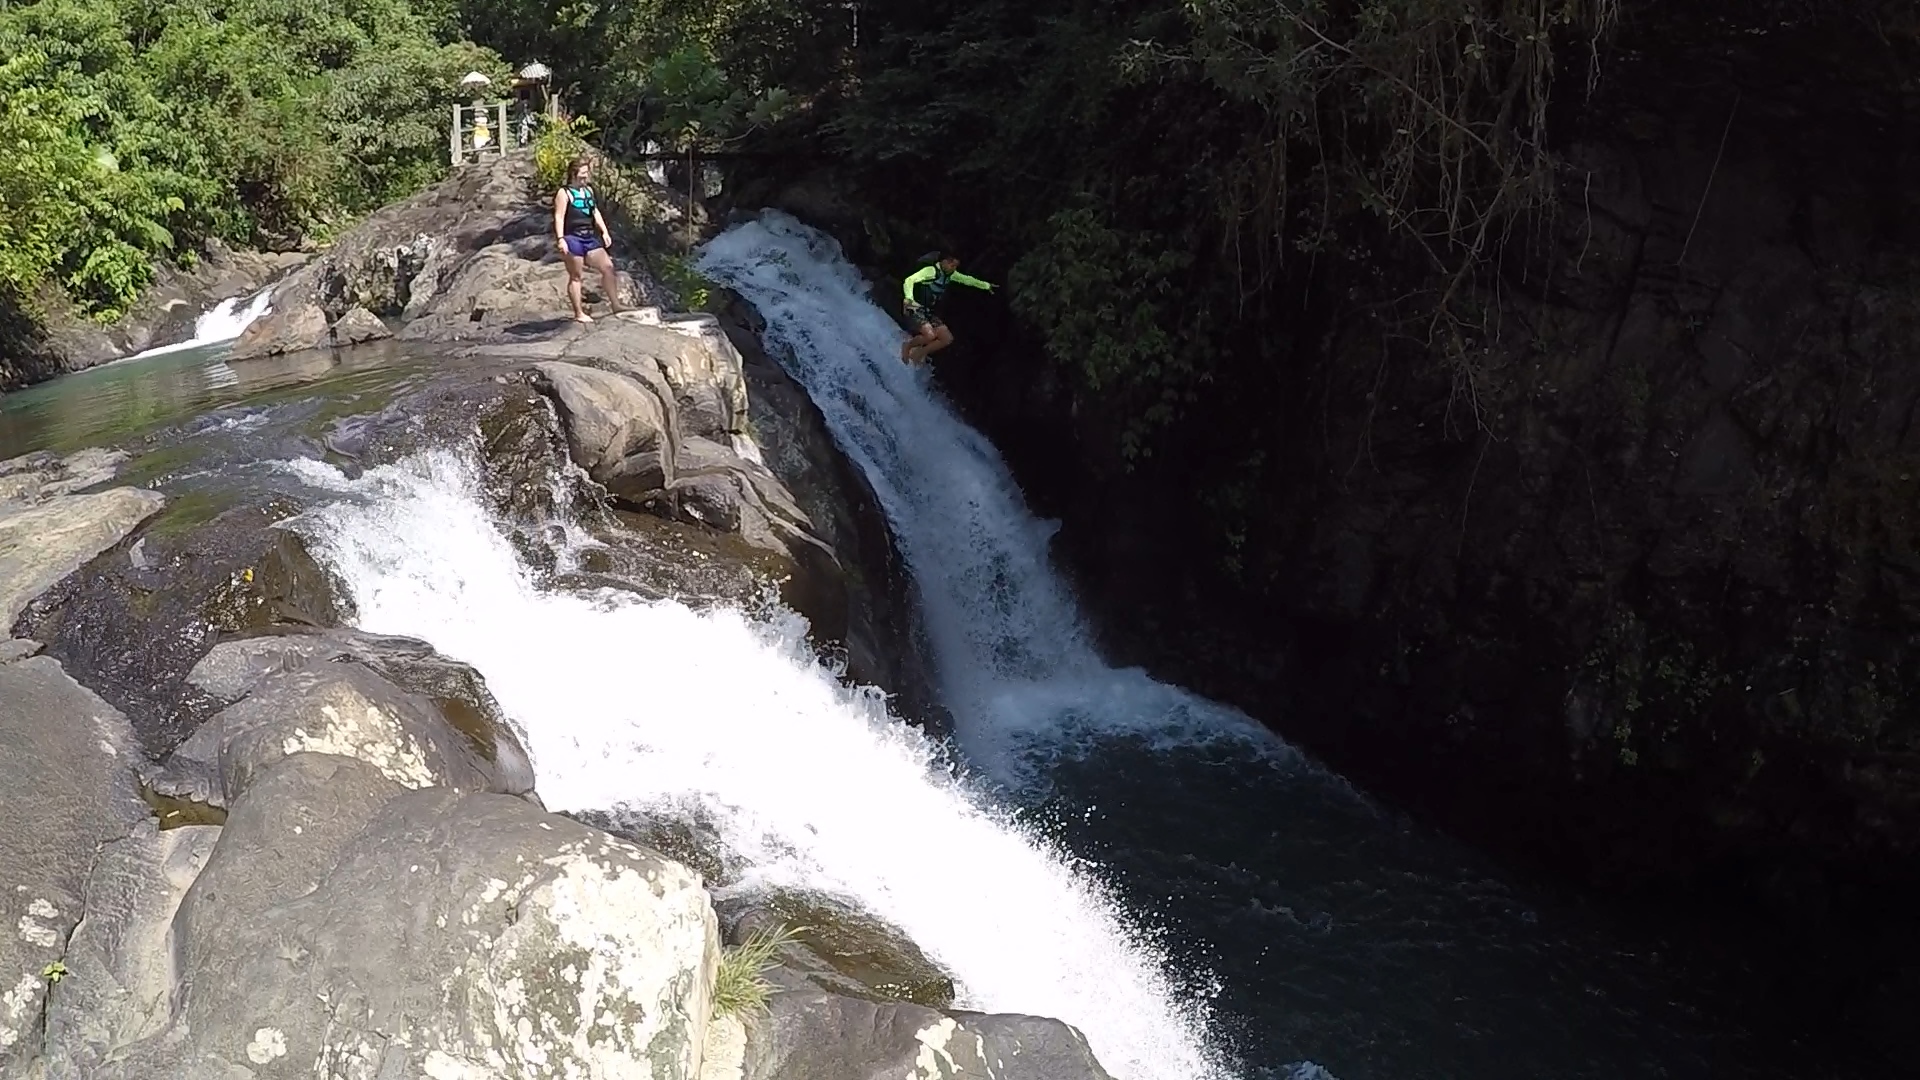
(574, 287)
(609, 278)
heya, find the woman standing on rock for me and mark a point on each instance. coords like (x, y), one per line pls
(583, 238)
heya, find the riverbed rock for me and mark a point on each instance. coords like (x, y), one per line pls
(839, 948)
(47, 534)
(12, 649)
(307, 704)
(357, 327)
(811, 1034)
(233, 668)
(412, 678)
(64, 756)
(294, 325)
(42, 475)
(137, 618)
(609, 418)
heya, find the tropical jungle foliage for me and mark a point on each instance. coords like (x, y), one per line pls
(131, 129)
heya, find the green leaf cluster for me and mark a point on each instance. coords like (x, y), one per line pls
(693, 74)
(134, 130)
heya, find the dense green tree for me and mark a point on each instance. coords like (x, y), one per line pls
(142, 128)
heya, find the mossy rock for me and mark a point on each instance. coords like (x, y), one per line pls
(284, 586)
(841, 949)
(690, 839)
(173, 811)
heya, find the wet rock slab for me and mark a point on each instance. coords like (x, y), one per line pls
(64, 757)
(839, 948)
(48, 530)
(812, 1034)
(142, 613)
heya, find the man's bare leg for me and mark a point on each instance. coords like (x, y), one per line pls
(942, 338)
(914, 349)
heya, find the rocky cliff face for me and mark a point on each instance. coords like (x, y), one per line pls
(1635, 595)
(1647, 568)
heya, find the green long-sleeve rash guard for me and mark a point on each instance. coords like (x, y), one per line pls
(936, 284)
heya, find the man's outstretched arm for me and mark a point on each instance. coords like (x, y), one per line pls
(920, 276)
(959, 278)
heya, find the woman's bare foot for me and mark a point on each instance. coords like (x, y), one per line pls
(583, 317)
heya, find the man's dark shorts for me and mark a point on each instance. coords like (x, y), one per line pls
(919, 317)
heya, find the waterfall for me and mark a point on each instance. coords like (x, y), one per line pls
(224, 321)
(1013, 651)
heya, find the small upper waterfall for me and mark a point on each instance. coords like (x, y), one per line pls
(223, 321)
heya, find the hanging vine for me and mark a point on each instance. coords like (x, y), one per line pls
(1427, 115)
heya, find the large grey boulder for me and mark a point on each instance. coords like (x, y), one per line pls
(232, 669)
(63, 765)
(305, 702)
(348, 928)
(292, 326)
(119, 986)
(357, 327)
(657, 417)
(609, 417)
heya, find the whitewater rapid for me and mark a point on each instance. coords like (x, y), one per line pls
(651, 705)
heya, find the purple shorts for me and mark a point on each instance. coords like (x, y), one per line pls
(578, 246)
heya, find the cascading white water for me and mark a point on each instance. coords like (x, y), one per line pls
(1013, 652)
(638, 704)
(224, 321)
(631, 703)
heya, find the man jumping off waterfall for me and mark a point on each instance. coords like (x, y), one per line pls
(923, 290)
